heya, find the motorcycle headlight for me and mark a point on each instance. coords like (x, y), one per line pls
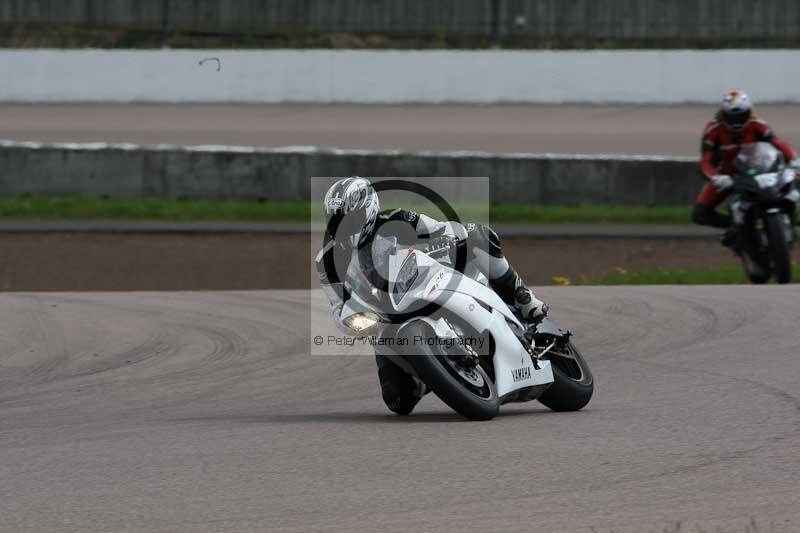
(362, 322)
(406, 277)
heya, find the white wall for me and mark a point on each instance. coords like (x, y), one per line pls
(397, 76)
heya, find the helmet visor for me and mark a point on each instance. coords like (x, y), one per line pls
(347, 226)
(736, 119)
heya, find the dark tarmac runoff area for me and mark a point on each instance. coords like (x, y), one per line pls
(590, 129)
(169, 261)
(202, 411)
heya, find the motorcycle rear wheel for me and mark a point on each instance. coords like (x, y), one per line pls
(574, 384)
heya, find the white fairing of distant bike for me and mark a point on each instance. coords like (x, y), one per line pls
(475, 304)
(765, 181)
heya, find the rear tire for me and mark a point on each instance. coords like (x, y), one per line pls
(475, 402)
(574, 384)
(778, 247)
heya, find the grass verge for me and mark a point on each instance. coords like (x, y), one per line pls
(728, 275)
(590, 214)
(70, 207)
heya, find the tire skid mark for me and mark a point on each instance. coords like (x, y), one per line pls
(770, 390)
(50, 332)
(697, 322)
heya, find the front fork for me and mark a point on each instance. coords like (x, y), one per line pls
(745, 217)
(791, 231)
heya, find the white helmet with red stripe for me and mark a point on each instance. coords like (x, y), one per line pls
(351, 209)
(735, 110)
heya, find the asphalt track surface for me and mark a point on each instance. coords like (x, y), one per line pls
(203, 411)
(599, 129)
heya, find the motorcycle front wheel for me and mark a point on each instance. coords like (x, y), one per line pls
(754, 257)
(775, 228)
(466, 389)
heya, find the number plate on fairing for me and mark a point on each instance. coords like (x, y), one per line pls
(510, 378)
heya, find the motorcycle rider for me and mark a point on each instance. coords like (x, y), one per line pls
(353, 217)
(733, 126)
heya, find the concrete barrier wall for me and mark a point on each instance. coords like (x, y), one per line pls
(322, 76)
(701, 20)
(282, 174)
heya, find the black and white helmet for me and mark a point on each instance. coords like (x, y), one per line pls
(351, 209)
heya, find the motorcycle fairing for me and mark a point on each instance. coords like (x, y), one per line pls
(477, 305)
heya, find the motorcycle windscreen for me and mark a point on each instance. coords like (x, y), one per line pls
(758, 158)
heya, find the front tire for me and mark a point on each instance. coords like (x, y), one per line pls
(468, 391)
(754, 257)
(758, 271)
(574, 384)
(778, 247)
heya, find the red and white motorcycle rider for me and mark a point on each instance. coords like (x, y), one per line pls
(733, 125)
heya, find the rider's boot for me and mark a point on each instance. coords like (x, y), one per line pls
(706, 215)
(400, 391)
(514, 291)
(529, 306)
(730, 239)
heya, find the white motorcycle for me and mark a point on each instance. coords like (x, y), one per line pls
(442, 323)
